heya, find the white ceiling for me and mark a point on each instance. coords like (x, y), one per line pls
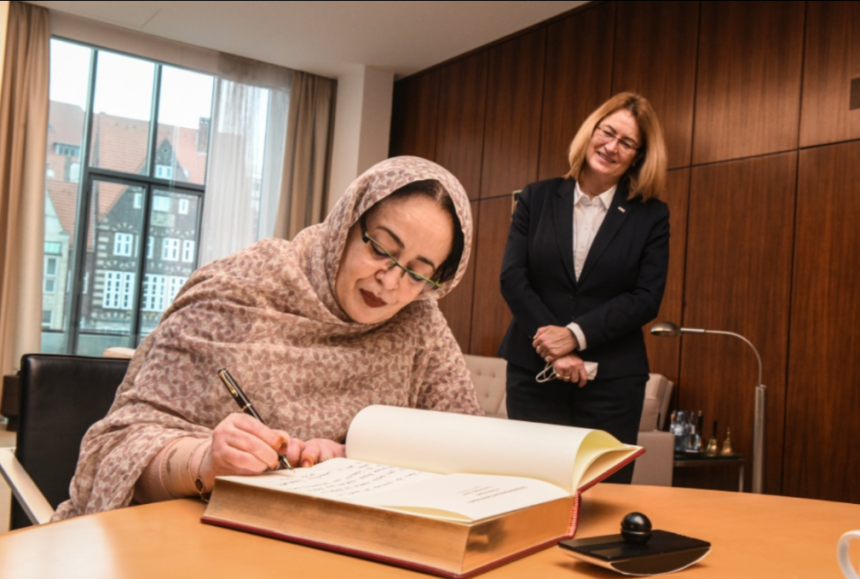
(326, 38)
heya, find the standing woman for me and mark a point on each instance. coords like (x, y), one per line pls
(584, 269)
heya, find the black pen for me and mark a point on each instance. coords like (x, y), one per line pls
(245, 405)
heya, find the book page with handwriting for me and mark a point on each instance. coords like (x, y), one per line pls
(338, 478)
(456, 496)
(446, 443)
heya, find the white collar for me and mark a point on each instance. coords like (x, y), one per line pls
(605, 197)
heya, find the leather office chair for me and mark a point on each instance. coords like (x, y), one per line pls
(61, 397)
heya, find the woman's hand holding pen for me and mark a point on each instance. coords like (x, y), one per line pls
(553, 342)
(242, 445)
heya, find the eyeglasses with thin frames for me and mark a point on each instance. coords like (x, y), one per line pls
(606, 135)
(414, 278)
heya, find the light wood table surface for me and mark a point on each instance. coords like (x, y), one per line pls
(757, 536)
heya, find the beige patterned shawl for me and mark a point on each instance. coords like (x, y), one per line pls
(268, 313)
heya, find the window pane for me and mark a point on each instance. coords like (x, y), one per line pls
(69, 81)
(107, 310)
(122, 112)
(174, 257)
(184, 116)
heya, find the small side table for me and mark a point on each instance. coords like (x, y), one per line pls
(698, 460)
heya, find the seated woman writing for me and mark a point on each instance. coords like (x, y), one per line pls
(314, 330)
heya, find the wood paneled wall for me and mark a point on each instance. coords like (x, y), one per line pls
(754, 99)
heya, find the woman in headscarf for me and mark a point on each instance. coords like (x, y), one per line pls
(314, 330)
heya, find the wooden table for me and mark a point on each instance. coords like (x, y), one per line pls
(757, 536)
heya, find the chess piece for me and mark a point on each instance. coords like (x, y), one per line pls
(727, 444)
(712, 448)
(636, 528)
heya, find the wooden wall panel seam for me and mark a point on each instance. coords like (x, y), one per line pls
(695, 96)
(676, 393)
(540, 142)
(790, 313)
(802, 74)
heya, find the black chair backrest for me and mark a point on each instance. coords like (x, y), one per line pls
(61, 397)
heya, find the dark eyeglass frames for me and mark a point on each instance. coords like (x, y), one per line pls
(413, 277)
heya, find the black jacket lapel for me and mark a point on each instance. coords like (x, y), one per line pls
(563, 209)
(615, 216)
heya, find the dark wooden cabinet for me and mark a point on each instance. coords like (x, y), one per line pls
(457, 305)
(738, 279)
(664, 354)
(577, 81)
(490, 313)
(512, 131)
(820, 459)
(414, 114)
(832, 63)
(663, 71)
(748, 88)
(462, 108)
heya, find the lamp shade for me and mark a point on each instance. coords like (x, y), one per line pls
(665, 330)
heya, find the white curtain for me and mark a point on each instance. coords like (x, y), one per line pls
(246, 157)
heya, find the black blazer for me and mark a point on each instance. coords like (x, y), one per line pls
(619, 290)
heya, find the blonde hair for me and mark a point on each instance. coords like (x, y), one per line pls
(646, 177)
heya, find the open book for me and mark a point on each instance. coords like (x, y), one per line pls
(445, 493)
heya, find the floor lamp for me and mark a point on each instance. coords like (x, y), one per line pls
(670, 330)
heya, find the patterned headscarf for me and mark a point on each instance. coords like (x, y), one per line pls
(269, 315)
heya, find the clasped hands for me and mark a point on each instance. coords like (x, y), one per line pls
(242, 445)
(556, 344)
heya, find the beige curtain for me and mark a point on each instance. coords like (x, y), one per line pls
(23, 133)
(308, 152)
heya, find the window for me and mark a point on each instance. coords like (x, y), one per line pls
(164, 172)
(153, 292)
(122, 244)
(53, 248)
(187, 251)
(118, 290)
(161, 203)
(130, 138)
(67, 150)
(51, 266)
(170, 249)
(47, 318)
(49, 281)
(174, 285)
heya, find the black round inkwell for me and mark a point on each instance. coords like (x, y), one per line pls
(636, 528)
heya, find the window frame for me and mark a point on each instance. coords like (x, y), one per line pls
(123, 244)
(77, 263)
